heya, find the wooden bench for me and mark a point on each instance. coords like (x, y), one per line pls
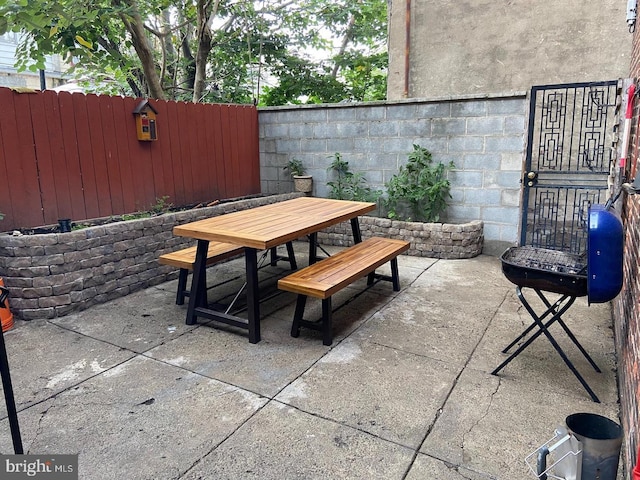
(326, 277)
(185, 259)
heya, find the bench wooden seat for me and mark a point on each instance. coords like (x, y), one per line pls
(326, 277)
(185, 259)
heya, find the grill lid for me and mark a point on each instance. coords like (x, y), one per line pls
(604, 254)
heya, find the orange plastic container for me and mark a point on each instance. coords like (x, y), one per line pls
(6, 317)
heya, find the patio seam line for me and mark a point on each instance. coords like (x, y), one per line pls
(227, 437)
(336, 422)
(54, 395)
(190, 329)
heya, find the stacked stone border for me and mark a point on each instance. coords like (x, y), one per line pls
(53, 275)
(434, 240)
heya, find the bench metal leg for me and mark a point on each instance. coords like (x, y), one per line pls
(182, 286)
(291, 256)
(297, 316)
(324, 325)
(327, 333)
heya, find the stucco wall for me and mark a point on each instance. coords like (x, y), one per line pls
(484, 137)
(488, 46)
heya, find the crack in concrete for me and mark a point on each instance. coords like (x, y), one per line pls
(455, 383)
(481, 417)
(39, 426)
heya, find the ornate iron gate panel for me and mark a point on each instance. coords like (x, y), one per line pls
(568, 160)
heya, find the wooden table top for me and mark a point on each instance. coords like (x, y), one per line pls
(274, 224)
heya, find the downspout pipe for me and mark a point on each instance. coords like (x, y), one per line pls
(407, 48)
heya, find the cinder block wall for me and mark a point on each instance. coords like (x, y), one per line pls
(484, 137)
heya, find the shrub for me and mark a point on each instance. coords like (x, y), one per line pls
(295, 167)
(420, 189)
(349, 185)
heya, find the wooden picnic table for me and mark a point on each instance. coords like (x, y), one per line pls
(262, 228)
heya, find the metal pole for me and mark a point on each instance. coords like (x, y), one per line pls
(8, 388)
(43, 81)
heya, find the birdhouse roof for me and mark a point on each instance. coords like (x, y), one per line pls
(144, 105)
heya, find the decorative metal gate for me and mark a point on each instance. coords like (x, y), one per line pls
(568, 160)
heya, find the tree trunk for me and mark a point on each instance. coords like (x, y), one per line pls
(345, 41)
(204, 47)
(135, 26)
(205, 13)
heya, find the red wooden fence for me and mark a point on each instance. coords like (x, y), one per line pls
(77, 156)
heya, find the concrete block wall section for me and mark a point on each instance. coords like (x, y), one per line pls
(484, 137)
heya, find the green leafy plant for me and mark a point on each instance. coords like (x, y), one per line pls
(420, 189)
(295, 167)
(162, 205)
(349, 185)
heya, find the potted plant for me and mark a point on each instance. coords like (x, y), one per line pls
(301, 181)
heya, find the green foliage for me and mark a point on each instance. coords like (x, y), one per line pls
(310, 51)
(420, 189)
(302, 82)
(162, 205)
(349, 185)
(295, 167)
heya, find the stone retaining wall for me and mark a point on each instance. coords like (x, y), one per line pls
(56, 274)
(434, 240)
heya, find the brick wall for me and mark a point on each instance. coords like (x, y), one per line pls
(53, 275)
(484, 137)
(627, 306)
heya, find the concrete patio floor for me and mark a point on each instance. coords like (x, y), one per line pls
(404, 392)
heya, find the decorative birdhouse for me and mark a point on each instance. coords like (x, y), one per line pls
(146, 121)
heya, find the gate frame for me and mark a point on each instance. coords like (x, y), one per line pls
(530, 182)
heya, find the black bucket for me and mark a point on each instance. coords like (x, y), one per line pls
(601, 440)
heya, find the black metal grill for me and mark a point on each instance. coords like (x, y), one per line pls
(596, 273)
(544, 269)
(547, 260)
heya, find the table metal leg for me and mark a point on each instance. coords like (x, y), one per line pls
(355, 230)
(198, 293)
(313, 248)
(253, 296)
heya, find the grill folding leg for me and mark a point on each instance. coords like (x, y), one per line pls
(556, 310)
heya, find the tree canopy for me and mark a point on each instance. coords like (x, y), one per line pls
(269, 51)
